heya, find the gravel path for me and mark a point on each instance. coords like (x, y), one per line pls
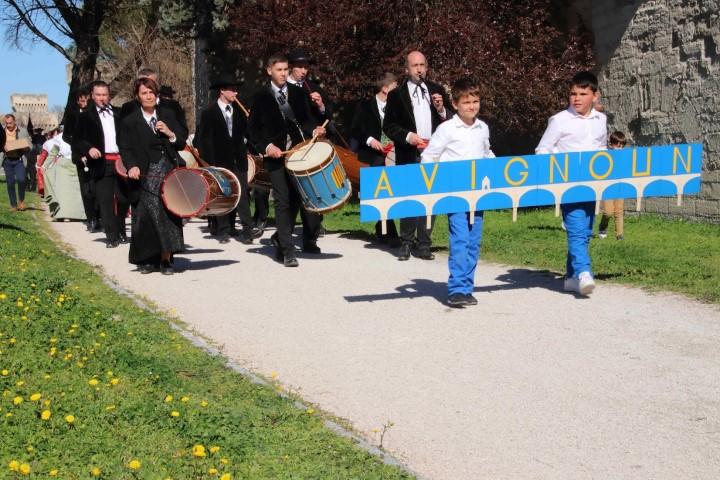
(533, 383)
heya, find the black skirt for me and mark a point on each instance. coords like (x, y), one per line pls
(154, 228)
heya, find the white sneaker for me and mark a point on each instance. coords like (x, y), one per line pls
(571, 285)
(586, 284)
(562, 225)
(602, 234)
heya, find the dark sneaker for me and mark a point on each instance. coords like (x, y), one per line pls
(224, 238)
(167, 269)
(147, 268)
(112, 244)
(425, 254)
(311, 248)
(456, 300)
(290, 262)
(470, 300)
(404, 252)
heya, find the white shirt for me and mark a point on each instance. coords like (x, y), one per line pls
(567, 131)
(381, 108)
(64, 147)
(148, 118)
(456, 140)
(421, 109)
(277, 90)
(108, 126)
(223, 106)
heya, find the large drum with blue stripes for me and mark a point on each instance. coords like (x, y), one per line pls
(319, 176)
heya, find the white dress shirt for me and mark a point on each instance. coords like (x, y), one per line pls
(227, 114)
(569, 131)
(456, 140)
(108, 126)
(421, 109)
(381, 108)
(149, 120)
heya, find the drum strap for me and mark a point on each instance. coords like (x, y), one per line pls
(287, 111)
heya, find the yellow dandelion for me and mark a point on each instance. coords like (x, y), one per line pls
(185, 399)
(53, 351)
(95, 472)
(174, 414)
(35, 397)
(14, 465)
(109, 373)
(53, 340)
(168, 398)
(20, 383)
(224, 461)
(30, 449)
(46, 414)
(17, 400)
(93, 382)
(114, 381)
(212, 471)
(226, 476)
(70, 419)
(53, 472)
(134, 464)
(110, 408)
(47, 376)
(24, 469)
(3, 296)
(204, 403)
(198, 451)
(214, 449)
(274, 375)
(5, 373)
(310, 411)
(46, 402)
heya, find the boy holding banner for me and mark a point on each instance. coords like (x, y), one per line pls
(578, 128)
(463, 137)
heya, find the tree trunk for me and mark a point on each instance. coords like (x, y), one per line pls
(83, 70)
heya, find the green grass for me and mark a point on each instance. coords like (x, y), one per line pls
(95, 355)
(657, 253)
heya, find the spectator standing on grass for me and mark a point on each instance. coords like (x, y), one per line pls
(614, 208)
(13, 163)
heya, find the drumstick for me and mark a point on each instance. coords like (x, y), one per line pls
(300, 147)
(242, 107)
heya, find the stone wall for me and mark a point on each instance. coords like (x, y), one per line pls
(660, 81)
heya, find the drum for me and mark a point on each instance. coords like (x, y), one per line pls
(190, 192)
(319, 176)
(257, 175)
(351, 164)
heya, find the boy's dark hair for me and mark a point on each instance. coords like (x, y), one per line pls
(83, 92)
(277, 58)
(463, 87)
(585, 80)
(98, 83)
(617, 138)
(384, 80)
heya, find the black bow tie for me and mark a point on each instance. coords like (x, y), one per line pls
(228, 109)
(422, 91)
(106, 109)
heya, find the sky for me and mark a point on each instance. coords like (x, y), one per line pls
(37, 69)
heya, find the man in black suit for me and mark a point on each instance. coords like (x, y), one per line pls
(221, 139)
(367, 131)
(174, 105)
(281, 117)
(87, 192)
(413, 112)
(95, 139)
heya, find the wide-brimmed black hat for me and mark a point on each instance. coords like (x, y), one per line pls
(167, 90)
(225, 80)
(298, 57)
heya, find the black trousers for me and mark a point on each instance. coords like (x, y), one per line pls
(87, 192)
(112, 197)
(261, 197)
(31, 172)
(226, 223)
(287, 204)
(413, 230)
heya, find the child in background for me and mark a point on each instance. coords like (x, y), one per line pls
(614, 208)
(463, 137)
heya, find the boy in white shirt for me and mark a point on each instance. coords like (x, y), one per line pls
(463, 137)
(579, 128)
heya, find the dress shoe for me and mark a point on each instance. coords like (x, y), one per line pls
(249, 234)
(166, 268)
(147, 268)
(457, 300)
(124, 238)
(224, 238)
(404, 253)
(290, 261)
(234, 233)
(470, 300)
(278, 251)
(112, 244)
(311, 248)
(261, 224)
(425, 254)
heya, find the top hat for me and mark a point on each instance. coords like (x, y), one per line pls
(167, 91)
(225, 80)
(298, 57)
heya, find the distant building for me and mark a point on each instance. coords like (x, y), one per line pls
(34, 106)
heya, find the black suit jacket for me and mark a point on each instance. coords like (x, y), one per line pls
(72, 118)
(216, 146)
(267, 125)
(129, 107)
(2, 139)
(139, 145)
(400, 120)
(367, 123)
(89, 134)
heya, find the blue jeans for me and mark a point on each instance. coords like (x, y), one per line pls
(464, 251)
(578, 218)
(15, 174)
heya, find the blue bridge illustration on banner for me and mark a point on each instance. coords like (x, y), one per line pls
(530, 180)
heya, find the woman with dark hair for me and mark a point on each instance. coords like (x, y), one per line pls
(149, 140)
